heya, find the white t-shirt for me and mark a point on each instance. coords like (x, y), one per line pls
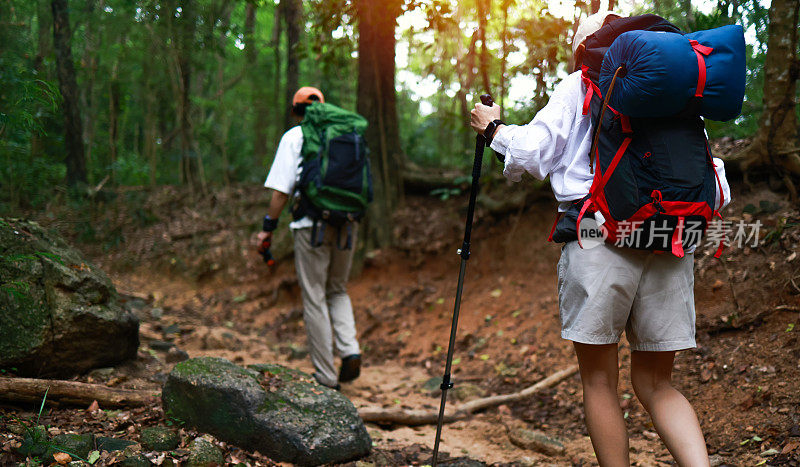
(285, 171)
(557, 143)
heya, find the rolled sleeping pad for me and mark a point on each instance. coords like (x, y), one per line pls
(661, 77)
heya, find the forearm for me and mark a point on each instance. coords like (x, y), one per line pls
(276, 204)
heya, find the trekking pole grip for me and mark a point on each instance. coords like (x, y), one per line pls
(486, 100)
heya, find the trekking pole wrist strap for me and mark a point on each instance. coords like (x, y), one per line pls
(269, 224)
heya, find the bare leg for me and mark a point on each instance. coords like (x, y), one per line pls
(599, 375)
(673, 416)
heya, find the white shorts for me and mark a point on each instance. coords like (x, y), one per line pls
(605, 290)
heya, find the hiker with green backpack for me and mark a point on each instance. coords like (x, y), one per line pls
(321, 166)
(622, 141)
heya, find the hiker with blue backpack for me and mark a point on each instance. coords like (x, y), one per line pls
(321, 166)
(622, 140)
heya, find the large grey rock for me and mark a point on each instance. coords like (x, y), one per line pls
(280, 412)
(60, 315)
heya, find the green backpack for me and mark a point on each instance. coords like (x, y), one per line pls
(335, 182)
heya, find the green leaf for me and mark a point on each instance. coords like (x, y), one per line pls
(240, 298)
(484, 357)
(93, 457)
(790, 327)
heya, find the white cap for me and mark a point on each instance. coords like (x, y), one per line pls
(589, 26)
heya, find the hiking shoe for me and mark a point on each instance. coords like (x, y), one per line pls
(351, 368)
(336, 387)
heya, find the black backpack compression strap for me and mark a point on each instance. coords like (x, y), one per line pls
(348, 243)
(317, 233)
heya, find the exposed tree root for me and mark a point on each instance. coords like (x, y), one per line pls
(70, 392)
(427, 417)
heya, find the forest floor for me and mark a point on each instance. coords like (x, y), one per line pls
(208, 293)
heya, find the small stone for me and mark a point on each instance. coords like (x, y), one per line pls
(161, 346)
(536, 441)
(432, 386)
(171, 329)
(175, 355)
(159, 438)
(716, 460)
(112, 444)
(204, 453)
(102, 373)
(157, 313)
(466, 391)
(297, 351)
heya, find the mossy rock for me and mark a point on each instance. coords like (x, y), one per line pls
(73, 444)
(61, 316)
(134, 460)
(203, 453)
(159, 438)
(280, 412)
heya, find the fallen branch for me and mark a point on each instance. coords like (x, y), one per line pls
(427, 417)
(70, 392)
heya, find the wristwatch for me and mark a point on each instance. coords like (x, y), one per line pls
(269, 224)
(488, 133)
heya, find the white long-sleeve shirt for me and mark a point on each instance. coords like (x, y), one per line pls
(557, 143)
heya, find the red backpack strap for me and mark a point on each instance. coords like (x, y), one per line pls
(586, 205)
(591, 88)
(614, 162)
(553, 229)
(700, 50)
(677, 239)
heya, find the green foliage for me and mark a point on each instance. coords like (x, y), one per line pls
(129, 56)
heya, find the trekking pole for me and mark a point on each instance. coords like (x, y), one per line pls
(480, 143)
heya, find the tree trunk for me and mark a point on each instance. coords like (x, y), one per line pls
(73, 132)
(190, 167)
(376, 101)
(90, 54)
(258, 87)
(113, 117)
(278, 99)
(44, 49)
(293, 19)
(775, 144)
(223, 119)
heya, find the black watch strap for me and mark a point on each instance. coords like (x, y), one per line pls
(269, 224)
(488, 133)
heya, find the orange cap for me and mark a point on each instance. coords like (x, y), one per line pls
(302, 95)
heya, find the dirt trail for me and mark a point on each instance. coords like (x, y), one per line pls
(742, 378)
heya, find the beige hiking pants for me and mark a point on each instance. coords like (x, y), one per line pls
(328, 314)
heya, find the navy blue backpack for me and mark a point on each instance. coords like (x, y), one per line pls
(654, 183)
